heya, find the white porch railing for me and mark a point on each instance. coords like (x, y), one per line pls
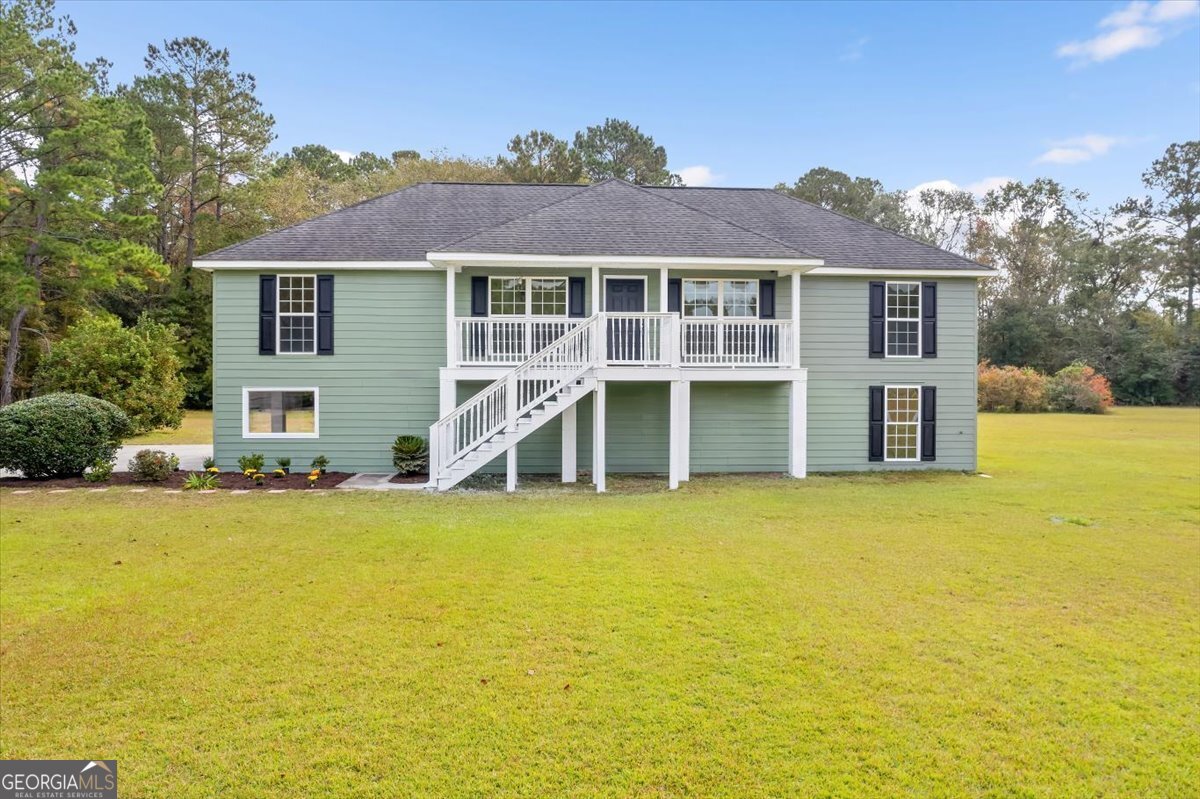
(736, 342)
(632, 339)
(500, 405)
(506, 340)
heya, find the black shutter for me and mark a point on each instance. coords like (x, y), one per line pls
(674, 295)
(928, 423)
(766, 299)
(266, 314)
(875, 326)
(929, 320)
(324, 314)
(479, 296)
(575, 297)
(875, 423)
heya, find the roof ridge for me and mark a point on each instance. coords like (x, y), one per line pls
(400, 190)
(761, 235)
(881, 227)
(582, 188)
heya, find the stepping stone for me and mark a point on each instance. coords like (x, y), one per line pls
(208, 491)
(138, 490)
(240, 491)
(276, 490)
(59, 490)
(24, 491)
(173, 491)
(95, 490)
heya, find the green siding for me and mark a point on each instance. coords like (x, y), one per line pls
(389, 340)
(833, 347)
(390, 344)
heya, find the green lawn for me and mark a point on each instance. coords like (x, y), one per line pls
(196, 429)
(1036, 634)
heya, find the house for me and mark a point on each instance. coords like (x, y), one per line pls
(608, 327)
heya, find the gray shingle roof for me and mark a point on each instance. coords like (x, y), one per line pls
(607, 218)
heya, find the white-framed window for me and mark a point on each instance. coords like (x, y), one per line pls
(527, 296)
(902, 423)
(733, 299)
(296, 314)
(903, 320)
(280, 412)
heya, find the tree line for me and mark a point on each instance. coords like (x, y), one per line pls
(108, 193)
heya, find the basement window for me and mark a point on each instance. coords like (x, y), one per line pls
(279, 413)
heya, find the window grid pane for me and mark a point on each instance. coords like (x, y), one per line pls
(297, 313)
(902, 423)
(278, 412)
(548, 296)
(741, 298)
(903, 319)
(700, 298)
(507, 296)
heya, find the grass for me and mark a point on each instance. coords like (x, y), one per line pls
(1036, 634)
(196, 429)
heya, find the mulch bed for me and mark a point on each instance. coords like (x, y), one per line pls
(410, 478)
(229, 481)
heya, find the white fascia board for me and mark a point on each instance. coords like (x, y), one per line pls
(315, 266)
(448, 259)
(901, 272)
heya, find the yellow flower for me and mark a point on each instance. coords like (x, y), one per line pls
(314, 473)
(213, 470)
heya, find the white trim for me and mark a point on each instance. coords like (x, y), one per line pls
(675, 433)
(647, 374)
(246, 434)
(529, 297)
(645, 290)
(617, 261)
(570, 442)
(316, 266)
(918, 319)
(901, 273)
(452, 344)
(795, 319)
(599, 440)
(279, 315)
(798, 429)
(886, 424)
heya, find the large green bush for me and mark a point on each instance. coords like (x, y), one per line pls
(410, 455)
(135, 368)
(60, 435)
(1079, 388)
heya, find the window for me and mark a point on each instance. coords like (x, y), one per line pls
(902, 423)
(279, 413)
(904, 320)
(727, 298)
(527, 296)
(297, 314)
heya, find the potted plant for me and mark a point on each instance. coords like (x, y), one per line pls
(320, 463)
(285, 464)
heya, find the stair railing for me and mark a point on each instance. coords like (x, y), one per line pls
(500, 405)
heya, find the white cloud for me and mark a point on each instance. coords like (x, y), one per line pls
(978, 188)
(1077, 150)
(345, 155)
(698, 175)
(1138, 26)
(855, 49)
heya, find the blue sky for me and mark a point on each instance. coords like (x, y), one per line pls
(740, 94)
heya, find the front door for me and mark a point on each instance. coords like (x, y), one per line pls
(625, 335)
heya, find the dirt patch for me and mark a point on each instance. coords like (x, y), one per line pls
(229, 480)
(409, 478)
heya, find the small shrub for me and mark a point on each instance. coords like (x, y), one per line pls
(410, 455)
(210, 463)
(1011, 389)
(258, 478)
(60, 435)
(284, 463)
(100, 472)
(1079, 388)
(201, 481)
(152, 465)
(252, 463)
(320, 463)
(279, 474)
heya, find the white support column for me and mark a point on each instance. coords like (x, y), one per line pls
(510, 484)
(451, 328)
(596, 290)
(662, 290)
(570, 439)
(674, 445)
(447, 395)
(795, 318)
(685, 427)
(798, 429)
(598, 440)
